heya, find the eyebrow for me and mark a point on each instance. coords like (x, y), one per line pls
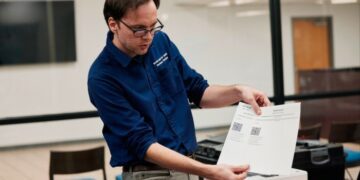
(142, 26)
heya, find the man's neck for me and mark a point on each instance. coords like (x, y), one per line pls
(122, 48)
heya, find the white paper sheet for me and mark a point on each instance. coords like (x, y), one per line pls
(266, 142)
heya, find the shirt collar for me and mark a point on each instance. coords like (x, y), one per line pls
(117, 54)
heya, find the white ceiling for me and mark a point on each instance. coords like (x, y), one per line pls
(201, 3)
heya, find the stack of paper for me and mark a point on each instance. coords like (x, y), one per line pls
(266, 142)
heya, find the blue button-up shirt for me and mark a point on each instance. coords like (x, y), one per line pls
(145, 99)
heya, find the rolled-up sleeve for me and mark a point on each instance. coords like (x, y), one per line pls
(120, 117)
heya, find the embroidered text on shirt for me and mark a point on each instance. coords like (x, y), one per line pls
(161, 60)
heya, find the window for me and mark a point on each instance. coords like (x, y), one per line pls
(322, 62)
(37, 32)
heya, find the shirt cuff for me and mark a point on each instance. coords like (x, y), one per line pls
(146, 144)
(200, 93)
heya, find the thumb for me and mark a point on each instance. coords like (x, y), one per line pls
(239, 169)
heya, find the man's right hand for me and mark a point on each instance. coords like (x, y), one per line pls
(220, 172)
(170, 159)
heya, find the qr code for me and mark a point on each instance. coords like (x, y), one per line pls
(255, 131)
(237, 126)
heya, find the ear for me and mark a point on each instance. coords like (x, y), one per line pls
(113, 25)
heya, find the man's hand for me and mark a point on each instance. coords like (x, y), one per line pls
(220, 172)
(253, 97)
(170, 159)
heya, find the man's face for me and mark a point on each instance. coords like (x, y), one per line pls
(144, 17)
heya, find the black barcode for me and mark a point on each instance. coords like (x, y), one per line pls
(255, 131)
(237, 126)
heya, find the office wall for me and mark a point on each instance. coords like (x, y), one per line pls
(226, 48)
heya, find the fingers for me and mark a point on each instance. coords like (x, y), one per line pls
(267, 101)
(231, 172)
(255, 106)
(239, 169)
(255, 98)
(263, 101)
(242, 175)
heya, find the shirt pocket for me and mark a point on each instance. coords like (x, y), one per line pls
(169, 78)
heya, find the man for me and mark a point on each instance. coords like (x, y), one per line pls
(141, 87)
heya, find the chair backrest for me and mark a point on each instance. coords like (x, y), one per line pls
(345, 131)
(310, 132)
(72, 162)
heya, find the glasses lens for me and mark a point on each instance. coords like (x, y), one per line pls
(143, 32)
(155, 30)
(140, 33)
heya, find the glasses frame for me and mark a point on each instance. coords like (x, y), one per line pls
(141, 32)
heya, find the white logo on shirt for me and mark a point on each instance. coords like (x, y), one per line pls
(161, 60)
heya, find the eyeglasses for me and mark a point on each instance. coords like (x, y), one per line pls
(141, 32)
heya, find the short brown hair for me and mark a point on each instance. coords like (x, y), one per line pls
(118, 8)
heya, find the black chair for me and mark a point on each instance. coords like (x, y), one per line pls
(73, 162)
(310, 132)
(347, 132)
